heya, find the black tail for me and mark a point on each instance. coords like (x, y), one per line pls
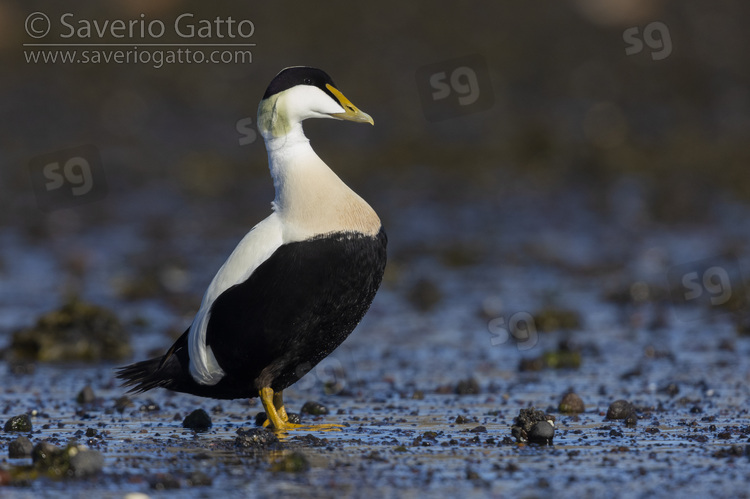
(143, 376)
(169, 371)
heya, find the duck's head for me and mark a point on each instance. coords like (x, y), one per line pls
(299, 93)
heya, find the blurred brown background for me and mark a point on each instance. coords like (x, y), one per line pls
(569, 106)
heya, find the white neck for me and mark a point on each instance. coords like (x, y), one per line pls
(310, 198)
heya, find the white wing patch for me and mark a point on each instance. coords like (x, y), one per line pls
(253, 249)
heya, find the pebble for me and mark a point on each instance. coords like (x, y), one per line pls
(20, 423)
(468, 386)
(528, 427)
(542, 433)
(255, 438)
(86, 395)
(620, 409)
(20, 447)
(314, 408)
(261, 417)
(198, 420)
(571, 403)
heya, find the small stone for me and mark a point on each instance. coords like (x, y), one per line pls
(198, 420)
(671, 389)
(526, 422)
(255, 438)
(86, 395)
(199, 479)
(260, 418)
(311, 440)
(460, 419)
(20, 423)
(468, 386)
(631, 420)
(43, 452)
(542, 433)
(293, 462)
(293, 417)
(164, 481)
(19, 448)
(619, 409)
(571, 403)
(479, 429)
(314, 408)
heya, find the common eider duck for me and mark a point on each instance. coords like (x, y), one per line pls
(297, 284)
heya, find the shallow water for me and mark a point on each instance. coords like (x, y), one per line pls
(489, 259)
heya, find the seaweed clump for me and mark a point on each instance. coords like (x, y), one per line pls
(76, 332)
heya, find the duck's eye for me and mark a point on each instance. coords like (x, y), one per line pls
(307, 81)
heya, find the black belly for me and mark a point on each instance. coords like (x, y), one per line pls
(294, 310)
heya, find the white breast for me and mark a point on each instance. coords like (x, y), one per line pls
(253, 249)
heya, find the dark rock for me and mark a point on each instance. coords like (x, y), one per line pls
(86, 395)
(199, 479)
(468, 386)
(631, 420)
(42, 453)
(255, 438)
(314, 408)
(19, 448)
(77, 331)
(736, 450)
(20, 423)
(542, 433)
(571, 403)
(526, 424)
(461, 419)
(261, 417)
(671, 389)
(294, 418)
(311, 440)
(164, 481)
(293, 462)
(479, 429)
(198, 420)
(619, 409)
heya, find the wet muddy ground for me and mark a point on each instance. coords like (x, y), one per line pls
(490, 305)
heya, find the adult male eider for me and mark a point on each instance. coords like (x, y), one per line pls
(297, 284)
